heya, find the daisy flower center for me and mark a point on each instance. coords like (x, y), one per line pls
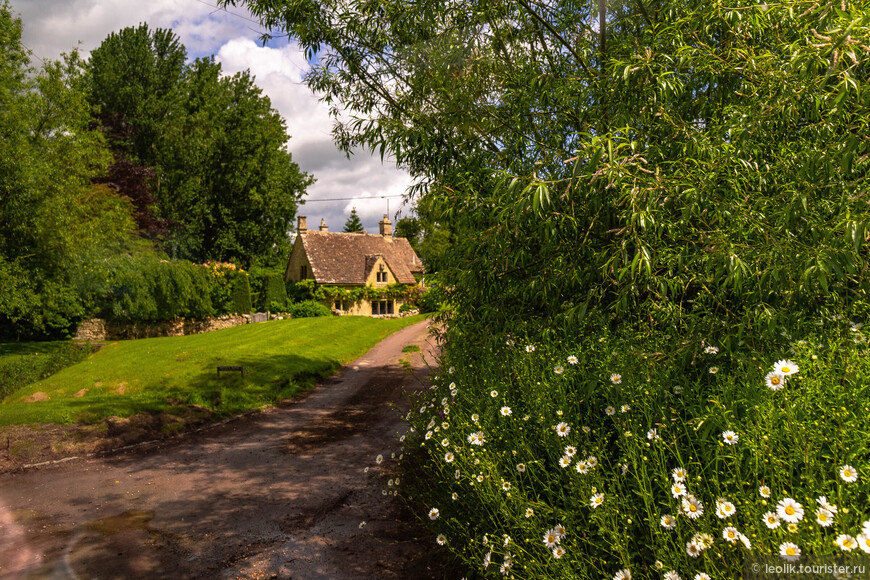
(789, 510)
(774, 380)
(786, 370)
(693, 508)
(790, 552)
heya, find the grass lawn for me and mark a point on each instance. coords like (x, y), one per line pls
(280, 359)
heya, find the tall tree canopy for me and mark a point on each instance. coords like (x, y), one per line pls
(55, 225)
(654, 159)
(223, 182)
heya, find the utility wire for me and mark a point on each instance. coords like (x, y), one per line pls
(352, 198)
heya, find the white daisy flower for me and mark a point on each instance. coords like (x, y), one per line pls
(582, 467)
(785, 367)
(731, 534)
(521, 467)
(529, 512)
(592, 461)
(668, 522)
(457, 474)
(572, 360)
(711, 350)
(702, 576)
(493, 393)
(824, 517)
(678, 489)
(825, 504)
(692, 507)
(448, 457)
(672, 575)
(693, 549)
(570, 451)
(713, 370)
(725, 510)
(445, 442)
(475, 417)
(846, 542)
(379, 459)
(562, 429)
(506, 485)
(610, 411)
(624, 409)
(678, 389)
(550, 538)
(530, 348)
(848, 474)
(863, 541)
(586, 429)
(564, 461)
(362, 525)
(434, 513)
(596, 500)
(789, 510)
(790, 551)
(505, 411)
(679, 474)
(558, 552)
(558, 369)
(771, 520)
(764, 491)
(560, 531)
(428, 435)
(441, 539)
(454, 496)
(730, 437)
(624, 574)
(774, 381)
(616, 378)
(745, 541)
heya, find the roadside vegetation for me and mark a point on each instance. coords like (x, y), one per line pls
(654, 358)
(280, 359)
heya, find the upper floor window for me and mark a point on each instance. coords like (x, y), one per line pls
(303, 272)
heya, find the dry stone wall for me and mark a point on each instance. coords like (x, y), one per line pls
(97, 329)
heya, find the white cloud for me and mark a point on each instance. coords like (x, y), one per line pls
(55, 26)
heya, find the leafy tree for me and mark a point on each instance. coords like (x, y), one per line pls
(353, 223)
(224, 187)
(684, 163)
(55, 226)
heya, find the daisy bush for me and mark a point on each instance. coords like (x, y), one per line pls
(623, 455)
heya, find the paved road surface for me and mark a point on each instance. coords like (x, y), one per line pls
(279, 494)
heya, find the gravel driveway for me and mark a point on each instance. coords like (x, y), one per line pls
(277, 494)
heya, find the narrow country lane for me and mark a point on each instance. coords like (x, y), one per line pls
(278, 494)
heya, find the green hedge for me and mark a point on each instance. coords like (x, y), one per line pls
(308, 309)
(40, 361)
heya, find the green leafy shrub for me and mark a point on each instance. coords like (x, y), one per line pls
(432, 299)
(18, 371)
(240, 297)
(308, 309)
(147, 288)
(607, 440)
(274, 293)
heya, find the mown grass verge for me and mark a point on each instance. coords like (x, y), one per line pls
(280, 359)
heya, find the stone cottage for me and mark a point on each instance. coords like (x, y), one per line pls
(355, 260)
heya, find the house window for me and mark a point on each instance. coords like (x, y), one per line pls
(382, 276)
(303, 272)
(381, 307)
(337, 305)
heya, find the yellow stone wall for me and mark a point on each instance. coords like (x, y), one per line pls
(298, 258)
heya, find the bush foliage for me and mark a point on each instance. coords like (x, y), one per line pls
(308, 309)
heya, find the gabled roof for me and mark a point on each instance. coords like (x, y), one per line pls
(339, 258)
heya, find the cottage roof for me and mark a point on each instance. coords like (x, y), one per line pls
(347, 258)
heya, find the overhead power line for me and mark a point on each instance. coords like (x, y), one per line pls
(352, 198)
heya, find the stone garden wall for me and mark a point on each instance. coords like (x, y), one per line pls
(99, 329)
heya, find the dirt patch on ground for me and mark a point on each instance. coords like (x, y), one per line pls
(26, 445)
(36, 397)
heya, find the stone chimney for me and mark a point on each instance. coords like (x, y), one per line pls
(302, 225)
(323, 226)
(386, 227)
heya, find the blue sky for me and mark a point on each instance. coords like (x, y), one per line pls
(52, 27)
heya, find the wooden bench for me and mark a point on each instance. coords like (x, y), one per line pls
(230, 368)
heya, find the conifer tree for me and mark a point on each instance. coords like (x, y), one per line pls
(353, 223)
